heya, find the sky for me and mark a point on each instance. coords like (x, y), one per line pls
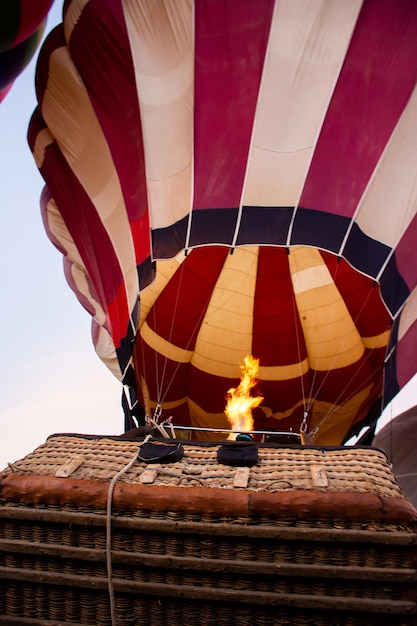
(51, 379)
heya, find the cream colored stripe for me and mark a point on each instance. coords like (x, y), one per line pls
(218, 368)
(277, 372)
(72, 15)
(203, 419)
(307, 46)
(43, 139)
(165, 270)
(163, 89)
(409, 315)
(334, 421)
(332, 339)
(71, 119)
(225, 337)
(104, 345)
(161, 39)
(169, 405)
(378, 341)
(106, 351)
(162, 346)
(59, 230)
(284, 414)
(283, 372)
(311, 278)
(393, 183)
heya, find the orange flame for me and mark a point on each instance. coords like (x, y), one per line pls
(239, 401)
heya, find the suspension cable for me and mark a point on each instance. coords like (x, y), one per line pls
(330, 412)
(298, 341)
(333, 410)
(171, 331)
(161, 396)
(312, 397)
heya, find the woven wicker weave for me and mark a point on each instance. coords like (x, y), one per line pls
(279, 469)
(191, 548)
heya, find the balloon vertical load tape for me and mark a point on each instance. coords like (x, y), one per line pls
(69, 467)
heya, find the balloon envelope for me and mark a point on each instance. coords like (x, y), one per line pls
(22, 24)
(398, 439)
(228, 178)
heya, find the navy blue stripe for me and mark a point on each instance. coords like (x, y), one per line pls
(269, 226)
(264, 225)
(214, 226)
(394, 290)
(319, 229)
(146, 273)
(124, 352)
(167, 242)
(366, 254)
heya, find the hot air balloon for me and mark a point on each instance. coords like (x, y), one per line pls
(22, 24)
(232, 188)
(227, 179)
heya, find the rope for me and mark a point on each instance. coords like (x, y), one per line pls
(161, 392)
(336, 407)
(171, 332)
(297, 336)
(108, 534)
(313, 394)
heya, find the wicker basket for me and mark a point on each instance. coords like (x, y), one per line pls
(306, 536)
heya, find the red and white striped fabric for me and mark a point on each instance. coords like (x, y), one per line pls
(228, 178)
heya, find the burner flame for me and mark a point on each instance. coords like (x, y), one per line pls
(239, 400)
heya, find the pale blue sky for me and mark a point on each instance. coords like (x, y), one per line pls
(51, 379)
